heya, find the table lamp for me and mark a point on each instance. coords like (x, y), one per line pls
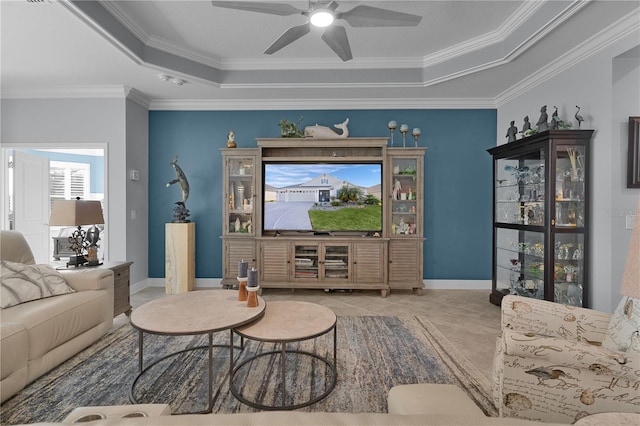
(77, 213)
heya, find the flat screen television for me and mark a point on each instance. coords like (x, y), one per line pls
(322, 198)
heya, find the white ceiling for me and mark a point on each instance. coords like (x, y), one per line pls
(462, 54)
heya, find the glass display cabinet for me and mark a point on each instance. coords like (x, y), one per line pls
(238, 211)
(405, 217)
(541, 217)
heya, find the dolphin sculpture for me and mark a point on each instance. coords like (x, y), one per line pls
(180, 179)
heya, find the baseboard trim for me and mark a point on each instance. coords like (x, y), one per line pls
(457, 284)
(428, 284)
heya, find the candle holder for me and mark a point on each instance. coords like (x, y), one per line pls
(392, 128)
(416, 132)
(252, 299)
(242, 289)
(404, 128)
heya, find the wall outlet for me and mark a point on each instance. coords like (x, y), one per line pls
(134, 175)
(629, 219)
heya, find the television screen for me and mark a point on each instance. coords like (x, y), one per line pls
(322, 197)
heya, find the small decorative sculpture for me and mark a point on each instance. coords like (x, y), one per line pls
(397, 189)
(180, 212)
(542, 121)
(512, 132)
(526, 127)
(553, 125)
(578, 116)
(231, 139)
(392, 128)
(325, 132)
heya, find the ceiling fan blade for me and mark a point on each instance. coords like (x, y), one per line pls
(336, 37)
(261, 7)
(368, 16)
(289, 36)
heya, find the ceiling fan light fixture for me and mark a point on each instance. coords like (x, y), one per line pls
(321, 18)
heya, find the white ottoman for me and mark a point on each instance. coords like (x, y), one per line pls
(430, 398)
(87, 414)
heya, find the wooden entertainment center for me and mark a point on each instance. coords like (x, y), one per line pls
(349, 260)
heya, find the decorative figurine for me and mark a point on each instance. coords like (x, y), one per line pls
(555, 121)
(180, 212)
(578, 116)
(397, 189)
(326, 133)
(542, 121)
(512, 132)
(231, 139)
(526, 125)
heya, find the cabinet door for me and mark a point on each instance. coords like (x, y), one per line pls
(569, 225)
(405, 264)
(306, 261)
(335, 262)
(520, 189)
(406, 197)
(369, 262)
(235, 250)
(275, 262)
(240, 195)
(519, 262)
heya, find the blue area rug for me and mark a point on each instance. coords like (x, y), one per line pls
(374, 354)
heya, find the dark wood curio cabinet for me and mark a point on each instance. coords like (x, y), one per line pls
(541, 217)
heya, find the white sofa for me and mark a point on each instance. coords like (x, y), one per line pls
(39, 335)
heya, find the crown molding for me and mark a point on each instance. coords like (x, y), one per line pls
(319, 104)
(72, 92)
(137, 97)
(591, 46)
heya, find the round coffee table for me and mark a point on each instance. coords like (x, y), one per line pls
(285, 322)
(192, 313)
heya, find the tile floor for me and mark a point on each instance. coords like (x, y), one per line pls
(465, 316)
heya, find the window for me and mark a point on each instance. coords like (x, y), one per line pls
(68, 180)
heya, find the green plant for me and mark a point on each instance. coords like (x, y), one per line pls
(348, 194)
(289, 129)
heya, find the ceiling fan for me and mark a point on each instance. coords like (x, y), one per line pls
(323, 16)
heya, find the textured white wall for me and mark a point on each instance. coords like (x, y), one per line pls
(607, 99)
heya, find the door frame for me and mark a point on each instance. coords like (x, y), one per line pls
(4, 180)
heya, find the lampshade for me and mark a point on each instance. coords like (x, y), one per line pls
(631, 278)
(76, 213)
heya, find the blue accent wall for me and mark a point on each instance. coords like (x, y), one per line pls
(458, 173)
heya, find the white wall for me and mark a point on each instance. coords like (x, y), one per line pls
(137, 209)
(608, 94)
(76, 123)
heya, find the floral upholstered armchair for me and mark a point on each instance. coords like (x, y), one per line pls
(550, 363)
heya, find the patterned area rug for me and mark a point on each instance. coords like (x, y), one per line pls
(374, 354)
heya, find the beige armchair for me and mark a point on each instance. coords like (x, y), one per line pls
(550, 365)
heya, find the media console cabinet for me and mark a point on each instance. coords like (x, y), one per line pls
(344, 260)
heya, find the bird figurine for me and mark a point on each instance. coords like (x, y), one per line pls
(578, 116)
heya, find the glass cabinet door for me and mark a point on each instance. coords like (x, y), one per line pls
(520, 189)
(520, 262)
(306, 261)
(569, 272)
(336, 262)
(570, 186)
(404, 197)
(241, 195)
